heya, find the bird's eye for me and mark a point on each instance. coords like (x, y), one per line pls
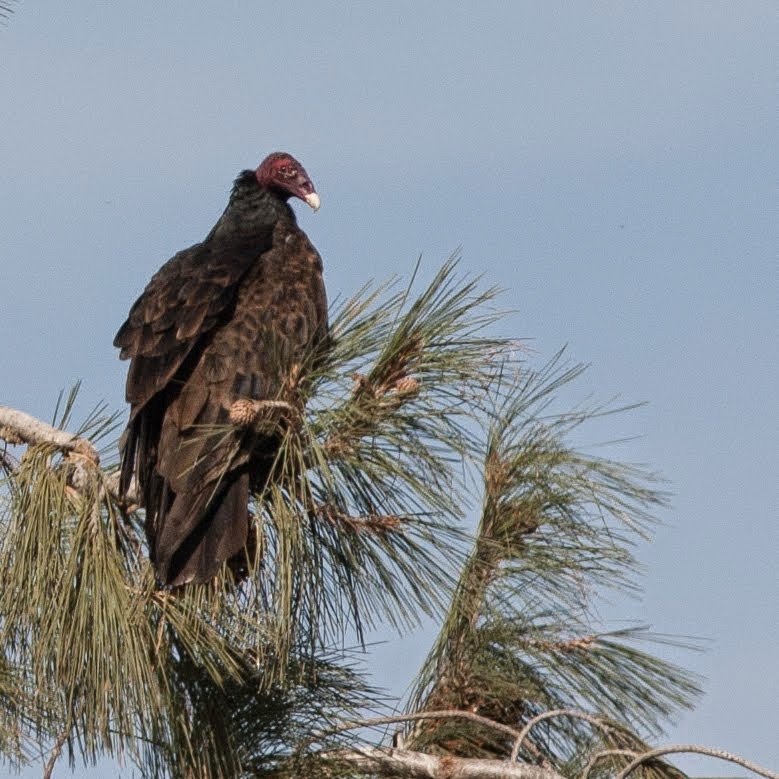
(288, 171)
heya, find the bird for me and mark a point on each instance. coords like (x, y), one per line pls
(222, 329)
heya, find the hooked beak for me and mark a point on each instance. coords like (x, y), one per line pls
(313, 200)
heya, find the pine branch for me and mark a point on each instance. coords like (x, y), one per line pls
(55, 753)
(416, 717)
(672, 749)
(519, 640)
(383, 761)
(531, 723)
(402, 762)
(16, 427)
(602, 755)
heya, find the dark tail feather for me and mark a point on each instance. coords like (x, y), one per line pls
(138, 451)
(127, 446)
(195, 539)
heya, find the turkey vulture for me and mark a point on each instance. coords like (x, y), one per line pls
(223, 323)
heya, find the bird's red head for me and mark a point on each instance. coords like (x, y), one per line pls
(283, 173)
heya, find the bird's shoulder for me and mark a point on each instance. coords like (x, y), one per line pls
(187, 294)
(288, 280)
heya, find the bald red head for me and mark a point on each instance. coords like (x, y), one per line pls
(284, 174)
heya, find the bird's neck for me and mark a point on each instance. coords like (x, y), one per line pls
(251, 209)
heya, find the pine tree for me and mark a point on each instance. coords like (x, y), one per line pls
(421, 419)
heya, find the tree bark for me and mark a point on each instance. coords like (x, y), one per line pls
(417, 765)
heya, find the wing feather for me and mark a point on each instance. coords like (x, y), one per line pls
(182, 303)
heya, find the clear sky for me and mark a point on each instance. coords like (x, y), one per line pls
(612, 165)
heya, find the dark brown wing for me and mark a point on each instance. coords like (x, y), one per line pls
(197, 496)
(166, 328)
(184, 300)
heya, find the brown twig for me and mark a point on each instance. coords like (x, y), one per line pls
(372, 523)
(55, 753)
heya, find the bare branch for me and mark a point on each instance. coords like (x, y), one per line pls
(606, 753)
(17, 427)
(721, 754)
(530, 724)
(55, 753)
(405, 763)
(420, 715)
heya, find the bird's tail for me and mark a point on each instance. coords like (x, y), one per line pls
(203, 529)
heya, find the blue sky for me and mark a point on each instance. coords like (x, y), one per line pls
(611, 165)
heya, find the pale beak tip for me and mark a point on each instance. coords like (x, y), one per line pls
(313, 200)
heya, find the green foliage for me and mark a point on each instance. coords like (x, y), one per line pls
(415, 416)
(520, 638)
